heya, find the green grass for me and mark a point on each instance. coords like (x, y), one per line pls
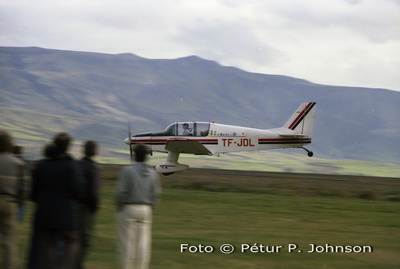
(284, 161)
(214, 218)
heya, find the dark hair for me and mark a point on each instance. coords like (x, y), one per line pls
(62, 141)
(6, 142)
(90, 148)
(17, 150)
(49, 150)
(141, 152)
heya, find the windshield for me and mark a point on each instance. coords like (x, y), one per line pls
(171, 130)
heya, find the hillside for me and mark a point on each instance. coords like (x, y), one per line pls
(95, 96)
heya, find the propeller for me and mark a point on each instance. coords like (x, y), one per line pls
(130, 143)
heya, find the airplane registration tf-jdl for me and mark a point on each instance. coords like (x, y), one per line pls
(209, 138)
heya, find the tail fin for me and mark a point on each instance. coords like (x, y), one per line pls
(302, 121)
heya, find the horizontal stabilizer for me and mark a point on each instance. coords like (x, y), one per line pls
(287, 132)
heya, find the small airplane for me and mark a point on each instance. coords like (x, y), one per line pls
(209, 138)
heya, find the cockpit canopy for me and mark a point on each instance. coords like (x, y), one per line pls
(187, 128)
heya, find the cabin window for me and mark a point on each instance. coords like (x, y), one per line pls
(186, 129)
(202, 129)
(193, 128)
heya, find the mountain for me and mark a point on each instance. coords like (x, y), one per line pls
(96, 96)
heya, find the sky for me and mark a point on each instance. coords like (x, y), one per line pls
(333, 42)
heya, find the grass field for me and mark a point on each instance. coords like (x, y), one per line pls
(294, 161)
(210, 218)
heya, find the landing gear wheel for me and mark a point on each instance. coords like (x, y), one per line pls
(309, 153)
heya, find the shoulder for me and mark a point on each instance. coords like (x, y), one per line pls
(88, 160)
(10, 159)
(127, 169)
(88, 163)
(153, 173)
(40, 163)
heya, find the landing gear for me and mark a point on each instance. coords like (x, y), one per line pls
(171, 165)
(309, 153)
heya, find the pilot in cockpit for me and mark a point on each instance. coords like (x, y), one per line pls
(186, 130)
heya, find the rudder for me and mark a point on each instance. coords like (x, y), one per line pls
(302, 120)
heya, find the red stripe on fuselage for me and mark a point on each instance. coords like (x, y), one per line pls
(147, 141)
(284, 140)
(164, 141)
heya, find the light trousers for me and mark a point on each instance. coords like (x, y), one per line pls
(134, 236)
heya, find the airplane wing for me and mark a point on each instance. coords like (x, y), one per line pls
(186, 146)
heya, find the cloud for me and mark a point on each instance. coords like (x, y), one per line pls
(340, 42)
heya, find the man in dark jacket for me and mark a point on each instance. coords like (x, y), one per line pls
(90, 201)
(56, 190)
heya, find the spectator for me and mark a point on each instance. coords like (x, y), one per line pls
(18, 152)
(137, 191)
(90, 201)
(57, 191)
(13, 178)
(33, 251)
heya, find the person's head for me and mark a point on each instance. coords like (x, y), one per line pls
(49, 150)
(6, 142)
(90, 148)
(141, 151)
(185, 126)
(18, 151)
(62, 141)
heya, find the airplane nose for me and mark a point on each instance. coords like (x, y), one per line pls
(127, 140)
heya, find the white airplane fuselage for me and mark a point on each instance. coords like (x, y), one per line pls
(209, 138)
(225, 138)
